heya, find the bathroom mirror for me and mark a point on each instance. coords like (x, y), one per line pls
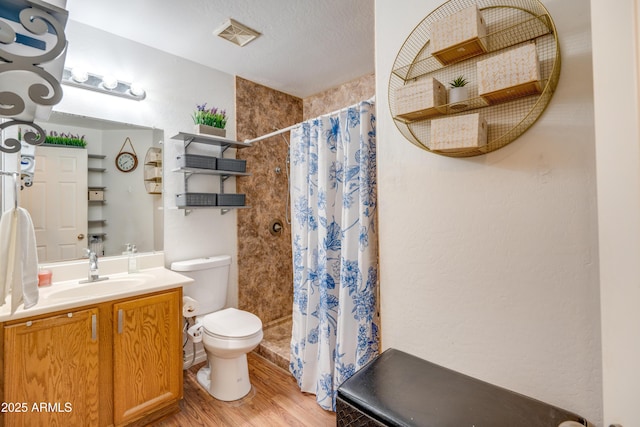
(99, 206)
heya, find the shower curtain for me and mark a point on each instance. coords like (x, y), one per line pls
(335, 259)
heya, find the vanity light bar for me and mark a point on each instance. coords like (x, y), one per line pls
(103, 84)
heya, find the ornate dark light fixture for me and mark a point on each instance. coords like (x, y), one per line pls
(30, 70)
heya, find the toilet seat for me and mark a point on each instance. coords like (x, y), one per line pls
(231, 323)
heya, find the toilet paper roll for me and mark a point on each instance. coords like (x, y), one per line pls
(189, 306)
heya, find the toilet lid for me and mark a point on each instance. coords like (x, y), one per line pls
(232, 323)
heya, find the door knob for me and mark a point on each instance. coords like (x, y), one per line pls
(80, 236)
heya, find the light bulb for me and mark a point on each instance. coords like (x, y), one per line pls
(80, 75)
(137, 90)
(109, 82)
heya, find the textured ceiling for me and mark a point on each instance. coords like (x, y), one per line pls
(306, 46)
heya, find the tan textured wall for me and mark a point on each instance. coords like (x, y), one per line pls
(342, 96)
(265, 275)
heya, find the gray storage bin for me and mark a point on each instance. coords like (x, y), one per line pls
(196, 199)
(231, 199)
(196, 161)
(232, 165)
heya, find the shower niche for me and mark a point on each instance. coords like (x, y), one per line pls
(222, 167)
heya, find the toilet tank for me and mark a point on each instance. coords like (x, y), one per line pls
(211, 277)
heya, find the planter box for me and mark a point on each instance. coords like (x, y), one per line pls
(509, 75)
(456, 133)
(210, 130)
(418, 100)
(458, 36)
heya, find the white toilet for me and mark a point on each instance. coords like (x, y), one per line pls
(227, 335)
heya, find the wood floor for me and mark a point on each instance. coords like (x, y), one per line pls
(275, 400)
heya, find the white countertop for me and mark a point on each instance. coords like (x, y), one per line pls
(71, 294)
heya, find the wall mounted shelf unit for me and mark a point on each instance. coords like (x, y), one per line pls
(96, 201)
(224, 143)
(188, 172)
(153, 170)
(509, 25)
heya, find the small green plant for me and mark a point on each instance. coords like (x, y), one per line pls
(67, 139)
(210, 117)
(459, 81)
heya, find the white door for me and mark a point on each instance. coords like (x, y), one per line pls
(57, 202)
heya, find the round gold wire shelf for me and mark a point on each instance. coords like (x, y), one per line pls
(508, 23)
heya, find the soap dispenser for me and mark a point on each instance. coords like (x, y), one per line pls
(133, 260)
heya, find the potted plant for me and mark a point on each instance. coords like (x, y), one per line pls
(210, 121)
(458, 92)
(66, 139)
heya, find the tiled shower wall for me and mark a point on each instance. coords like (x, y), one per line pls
(342, 96)
(265, 275)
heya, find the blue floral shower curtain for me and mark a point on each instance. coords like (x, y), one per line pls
(335, 259)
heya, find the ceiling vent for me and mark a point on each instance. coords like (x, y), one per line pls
(236, 33)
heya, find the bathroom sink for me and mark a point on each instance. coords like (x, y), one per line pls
(107, 287)
(69, 292)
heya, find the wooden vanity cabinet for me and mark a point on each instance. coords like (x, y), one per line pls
(51, 371)
(114, 364)
(147, 356)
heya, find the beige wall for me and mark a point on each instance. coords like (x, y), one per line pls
(618, 165)
(489, 265)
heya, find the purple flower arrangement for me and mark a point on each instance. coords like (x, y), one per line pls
(210, 117)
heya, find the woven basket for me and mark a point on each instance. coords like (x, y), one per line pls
(196, 199)
(231, 199)
(459, 36)
(196, 161)
(467, 131)
(420, 99)
(509, 75)
(232, 165)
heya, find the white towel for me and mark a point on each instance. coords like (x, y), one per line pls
(8, 230)
(19, 265)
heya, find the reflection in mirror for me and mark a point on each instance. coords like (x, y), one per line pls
(79, 199)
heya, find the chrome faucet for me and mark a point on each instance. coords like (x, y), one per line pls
(94, 276)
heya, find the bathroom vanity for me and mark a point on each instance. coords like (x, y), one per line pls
(97, 354)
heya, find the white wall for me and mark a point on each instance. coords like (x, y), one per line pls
(615, 53)
(128, 205)
(174, 87)
(489, 265)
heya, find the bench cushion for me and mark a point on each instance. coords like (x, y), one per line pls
(398, 389)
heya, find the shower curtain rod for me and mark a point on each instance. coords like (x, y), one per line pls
(269, 135)
(278, 132)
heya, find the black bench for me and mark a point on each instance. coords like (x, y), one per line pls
(398, 389)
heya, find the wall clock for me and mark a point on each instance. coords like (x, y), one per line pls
(127, 161)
